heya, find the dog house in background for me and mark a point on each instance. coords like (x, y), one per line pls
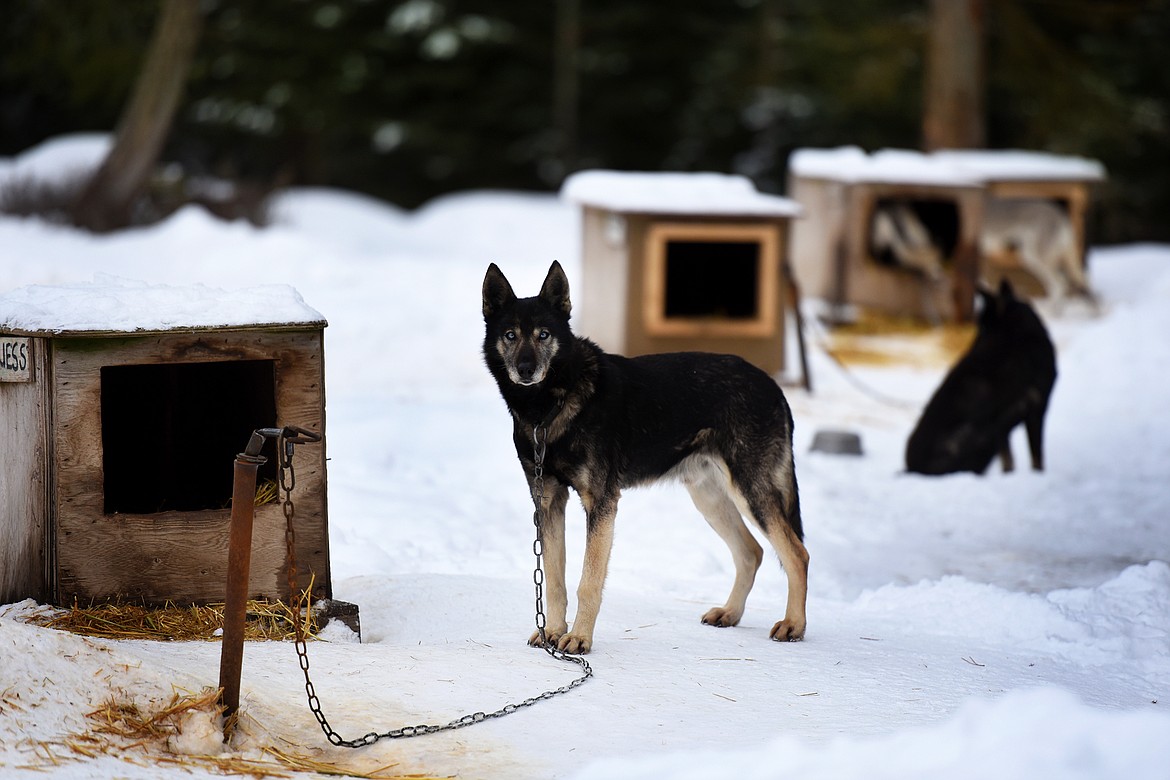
(951, 194)
(1016, 177)
(124, 406)
(682, 261)
(842, 192)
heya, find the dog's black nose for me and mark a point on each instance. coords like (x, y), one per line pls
(526, 368)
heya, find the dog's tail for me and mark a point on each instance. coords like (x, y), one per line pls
(791, 499)
(786, 479)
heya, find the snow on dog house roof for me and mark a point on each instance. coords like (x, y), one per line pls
(1016, 165)
(111, 388)
(112, 305)
(889, 166)
(693, 194)
(957, 168)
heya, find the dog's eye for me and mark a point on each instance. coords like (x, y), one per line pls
(543, 335)
(510, 335)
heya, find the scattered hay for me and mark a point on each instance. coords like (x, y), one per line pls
(123, 730)
(268, 492)
(186, 731)
(882, 340)
(267, 620)
(126, 720)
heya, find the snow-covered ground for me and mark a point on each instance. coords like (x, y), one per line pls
(1015, 626)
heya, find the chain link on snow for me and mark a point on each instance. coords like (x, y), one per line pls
(298, 599)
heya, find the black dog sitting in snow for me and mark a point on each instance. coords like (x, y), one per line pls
(1004, 379)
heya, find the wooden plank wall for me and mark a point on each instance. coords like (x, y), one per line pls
(900, 292)
(600, 310)
(24, 482)
(818, 235)
(182, 556)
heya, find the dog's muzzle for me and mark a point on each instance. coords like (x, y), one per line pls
(526, 370)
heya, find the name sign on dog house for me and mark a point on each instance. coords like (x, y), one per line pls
(15, 359)
(124, 406)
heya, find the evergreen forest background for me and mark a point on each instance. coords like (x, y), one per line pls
(408, 100)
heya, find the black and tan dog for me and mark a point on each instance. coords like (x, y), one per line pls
(715, 422)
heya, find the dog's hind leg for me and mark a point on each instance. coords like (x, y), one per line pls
(1034, 425)
(552, 542)
(1006, 458)
(776, 510)
(711, 498)
(794, 559)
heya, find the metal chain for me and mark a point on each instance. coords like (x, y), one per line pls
(297, 599)
(539, 449)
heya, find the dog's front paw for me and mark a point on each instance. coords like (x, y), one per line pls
(722, 617)
(788, 631)
(575, 644)
(551, 637)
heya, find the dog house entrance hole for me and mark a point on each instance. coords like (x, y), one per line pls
(170, 432)
(938, 216)
(712, 278)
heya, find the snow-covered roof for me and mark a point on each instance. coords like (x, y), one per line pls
(1018, 165)
(892, 166)
(115, 305)
(692, 194)
(962, 168)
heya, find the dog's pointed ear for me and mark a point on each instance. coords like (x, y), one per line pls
(1006, 293)
(989, 303)
(497, 293)
(555, 290)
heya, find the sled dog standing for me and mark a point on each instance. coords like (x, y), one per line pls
(714, 422)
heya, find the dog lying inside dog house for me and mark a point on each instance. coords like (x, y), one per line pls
(1034, 221)
(892, 232)
(912, 234)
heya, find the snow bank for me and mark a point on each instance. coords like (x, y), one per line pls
(58, 160)
(1023, 735)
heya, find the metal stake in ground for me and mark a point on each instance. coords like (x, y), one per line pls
(240, 560)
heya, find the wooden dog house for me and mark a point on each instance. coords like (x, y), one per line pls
(1020, 176)
(951, 192)
(682, 261)
(841, 190)
(124, 406)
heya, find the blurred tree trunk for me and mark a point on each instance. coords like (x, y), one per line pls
(567, 44)
(108, 199)
(953, 108)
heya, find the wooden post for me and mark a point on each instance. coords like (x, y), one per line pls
(239, 561)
